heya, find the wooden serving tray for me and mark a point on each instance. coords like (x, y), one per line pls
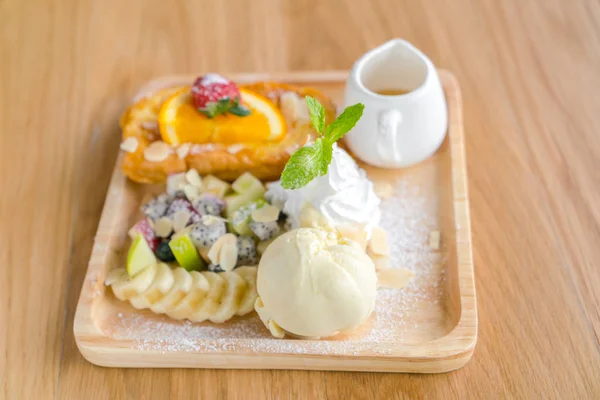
(428, 326)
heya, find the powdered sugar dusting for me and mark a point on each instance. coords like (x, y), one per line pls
(413, 314)
(211, 79)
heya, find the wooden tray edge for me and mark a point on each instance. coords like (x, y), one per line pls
(464, 334)
(445, 354)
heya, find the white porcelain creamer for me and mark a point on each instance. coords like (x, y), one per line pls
(396, 130)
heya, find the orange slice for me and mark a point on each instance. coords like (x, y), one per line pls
(179, 122)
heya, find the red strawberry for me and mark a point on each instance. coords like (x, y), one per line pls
(213, 95)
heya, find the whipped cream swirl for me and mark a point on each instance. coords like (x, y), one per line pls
(344, 196)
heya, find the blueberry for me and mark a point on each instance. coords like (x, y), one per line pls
(164, 253)
(282, 217)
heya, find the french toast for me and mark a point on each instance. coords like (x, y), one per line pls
(150, 159)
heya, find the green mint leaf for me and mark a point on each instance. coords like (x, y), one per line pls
(306, 164)
(223, 105)
(215, 108)
(239, 110)
(344, 123)
(312, 161)
(205, 112)
(302, 167)
(325, 155)
(211, 110)
(317, 114)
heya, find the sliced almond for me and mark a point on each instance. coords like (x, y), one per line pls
(275, 329)
(180, 220)
(381, 262)
(303, 113)
(216, 186)
(394, 278)
(191, 192)
(202, 148)
(157, 151)
(267, 213)
(356, 234)
(384, 190)
(294, 107)
(129, 145)
(434, 240)
(235, 148)
(215, 250)
(259, 307)
(228, 256)
(193, 177)
(271, 325)
(183, 150)
(258, 304)
(151, 126)
(379, 243)
(290, 105)
(209, 220)
(163, 227)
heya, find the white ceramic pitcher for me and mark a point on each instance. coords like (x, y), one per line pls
(398, 130)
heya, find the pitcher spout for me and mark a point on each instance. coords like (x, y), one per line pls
(395, 62)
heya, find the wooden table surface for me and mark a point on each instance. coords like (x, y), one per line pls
(530, 73)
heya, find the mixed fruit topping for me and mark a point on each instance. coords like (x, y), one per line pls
(205, 223)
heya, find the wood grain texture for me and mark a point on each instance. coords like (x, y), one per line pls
(529, 73)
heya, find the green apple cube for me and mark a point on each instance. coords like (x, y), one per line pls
(140, 256)
(247, 189)
(233, 202)
(248, 183)
(185, 252)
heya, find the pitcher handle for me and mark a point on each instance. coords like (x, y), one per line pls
(388, 123)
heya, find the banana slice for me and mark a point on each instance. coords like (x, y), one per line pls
(163, 281)
(194, 299)
(180, 287)
(196, 296)
(248, 274)
(213, 297)
(230, 300)
(126, 288)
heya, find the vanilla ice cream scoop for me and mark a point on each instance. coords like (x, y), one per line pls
(313, 282)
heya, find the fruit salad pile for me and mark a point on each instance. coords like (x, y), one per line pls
(205, 223)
